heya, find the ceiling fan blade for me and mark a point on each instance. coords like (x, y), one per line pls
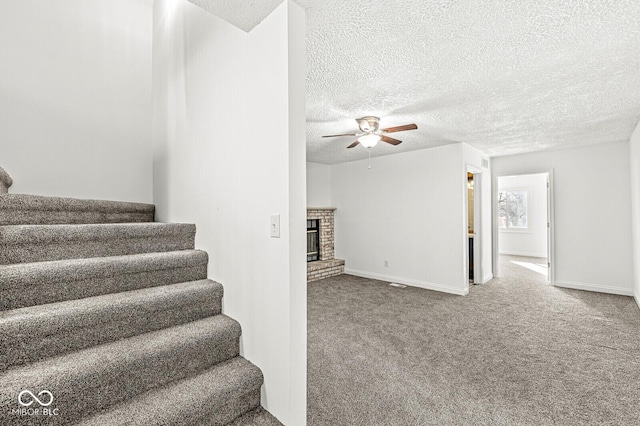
(392, 141)
(354, 144)
(400, 128)
(346, 134)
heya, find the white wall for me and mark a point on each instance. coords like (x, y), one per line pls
(407, 209)
(75, 98)
(533, 241)
(487, 224)
(635, 205)
(215, 167)
(297, 285)
(318, 185)
(592, 213)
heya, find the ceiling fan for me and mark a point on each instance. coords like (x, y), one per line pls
(371, 133)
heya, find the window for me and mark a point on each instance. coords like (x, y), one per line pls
(512, 209)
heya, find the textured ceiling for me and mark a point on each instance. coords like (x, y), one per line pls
(244, 14)
(504, 76)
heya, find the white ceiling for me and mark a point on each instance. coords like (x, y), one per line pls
(504, 76)
(244, 14)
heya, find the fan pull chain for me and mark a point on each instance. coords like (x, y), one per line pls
(369, 149)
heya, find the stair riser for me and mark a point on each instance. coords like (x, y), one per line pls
(33, 252)
(256, 417)
(43, 292)
(209, 415)
(31, 340)
(231, 410)
(78, 395)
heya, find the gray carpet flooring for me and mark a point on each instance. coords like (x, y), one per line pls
(515, 351)
(530, 269)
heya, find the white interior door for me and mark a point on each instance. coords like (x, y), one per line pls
(550, 229)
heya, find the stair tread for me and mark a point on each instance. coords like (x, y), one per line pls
(91, 267)
(42, 202)
(42, 234)
(121, 351)
(101, 376)
(28, 284)
(46, 330)
(257, 417)
(190, 398)
(47, 317)
(39, 243)
(23, 208)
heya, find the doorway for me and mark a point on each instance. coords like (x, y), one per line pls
(473, 219)
(523, 222)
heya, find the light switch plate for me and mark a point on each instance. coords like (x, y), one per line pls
(275, 226)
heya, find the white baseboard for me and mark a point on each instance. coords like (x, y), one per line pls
(524, 254)
(487, 278)
(406, 281)
(594, 287)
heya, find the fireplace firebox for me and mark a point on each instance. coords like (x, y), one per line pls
(313, 240)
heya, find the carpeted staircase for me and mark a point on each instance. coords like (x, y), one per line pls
(113, 314)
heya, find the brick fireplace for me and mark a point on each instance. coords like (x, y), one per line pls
(327, 265)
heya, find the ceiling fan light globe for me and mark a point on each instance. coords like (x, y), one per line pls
(370, 140)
